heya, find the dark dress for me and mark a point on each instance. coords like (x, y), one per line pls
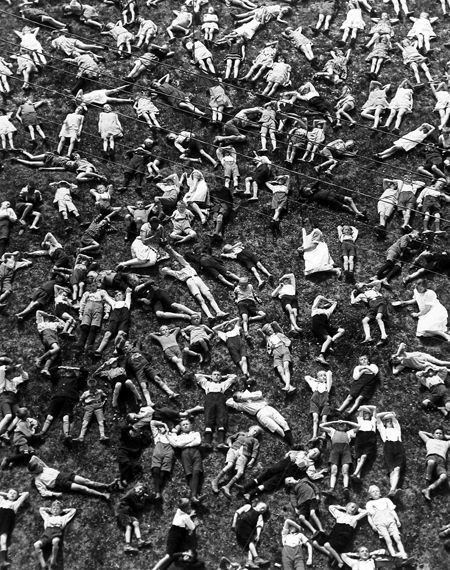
(246, 527)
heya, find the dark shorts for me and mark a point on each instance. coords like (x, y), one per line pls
(289, 300)
(231, 129)
(394, 455)
(119, 321)
(78, 275)
(406, 201)
(191, 460)
(61, 259)
(440, 464)
(319, 403)
(237, 349)
(161, 301)
(8, 408)
(365, 443)
(340, 537)
(64, 481)
(198, 346)
(87, 240)
(377, 306)
(340, 454)
(215, 410)
(279, 200)
(49, 534)
(49, 337)
(329, 198)
(439, 395)
(61, 308)
(247, 259)
(319, 104)
(348, 248)
(61, 406)
(431, 205)
(306, 507)
(321, 327)
(364, 386)
(41, 296)
(433, 161)
(247, 307)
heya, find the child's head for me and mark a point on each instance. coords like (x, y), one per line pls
(321, 376)
(164, 330)
(35, 465)
(260, 507)
(92, 384)
(363, 360)
(351, 508)
(181, 206)
(56, 508)
(23, 413)
(185, 426)
(243, 282)
(313, 453)
(255, 431)
(267, 329)
(211, 10)
(184, 504)
(290, 481)
(374, 492)
(347, 230)
(12, 494)
(341, 426)
(438, 433)
(363, 553)
(216, 376)
(119, 295)
(421, 285)
(365, 412)
(388, 420)
(196, 319)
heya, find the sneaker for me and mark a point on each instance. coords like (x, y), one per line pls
(144, 544)
(226, 491)
(104, 439)
(321, 359)
(260, 561)
(78, 439)
(128, 549)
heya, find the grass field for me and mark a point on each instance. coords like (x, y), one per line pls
(94, 540)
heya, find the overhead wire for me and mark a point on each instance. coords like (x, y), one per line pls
(241, 154)
(241, 207)
(203, 76)
(193, 116)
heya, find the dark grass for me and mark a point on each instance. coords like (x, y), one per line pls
(94, 540)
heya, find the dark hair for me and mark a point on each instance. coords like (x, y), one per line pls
(422, 282)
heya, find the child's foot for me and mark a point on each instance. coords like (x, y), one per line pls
(128, 549)
(322, 360)
(426, 494)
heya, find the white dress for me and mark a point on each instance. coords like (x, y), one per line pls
(354, 19)
(421, 27)
(72, 126)
(436, 318)
(403, 99)
(317, 259)
(6, 126)
(97, 97)
(442, 100)
(143, 252)
(109, 125)
(29, 42)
